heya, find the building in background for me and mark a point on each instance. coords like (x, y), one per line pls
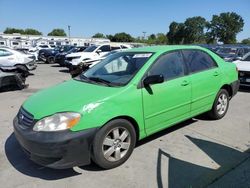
(17, 40)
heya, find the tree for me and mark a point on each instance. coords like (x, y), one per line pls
(98, 35)
(225, 27)
(122, 37)
(30, 31)
(246, 41)
(57, 32)
(194, 30)
(176, 33)
(161, 38)
(110, 37)
(10, 30)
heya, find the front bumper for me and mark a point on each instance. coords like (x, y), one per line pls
(59, 150)
(31, 65)
(60, 60)
(244, 77)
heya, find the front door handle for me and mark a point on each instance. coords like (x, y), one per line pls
(185, 83)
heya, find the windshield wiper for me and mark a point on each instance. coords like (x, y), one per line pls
(97, 79)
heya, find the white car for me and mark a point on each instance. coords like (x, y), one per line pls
(11, 59)
(92, 52)
(243, 66)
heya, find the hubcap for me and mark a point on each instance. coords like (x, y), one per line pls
(222, 104)
(116, 144)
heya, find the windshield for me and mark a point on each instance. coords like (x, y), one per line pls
(90, 48)
(227, 50)
(246, 57)
(117, 69)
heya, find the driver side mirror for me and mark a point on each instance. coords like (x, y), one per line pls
(153, 79)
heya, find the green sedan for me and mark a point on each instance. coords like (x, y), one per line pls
(100, 115)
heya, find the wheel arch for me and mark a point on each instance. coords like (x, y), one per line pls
(132, 121)
(229, 89)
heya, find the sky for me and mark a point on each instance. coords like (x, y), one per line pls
(87, 17)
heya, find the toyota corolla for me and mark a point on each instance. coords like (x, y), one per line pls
(101, 114)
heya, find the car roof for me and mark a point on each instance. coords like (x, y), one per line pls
(164, 48)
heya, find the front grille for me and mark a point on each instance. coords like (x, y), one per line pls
(25, 119)
(244, 74)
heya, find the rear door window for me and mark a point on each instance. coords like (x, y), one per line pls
(198, 60)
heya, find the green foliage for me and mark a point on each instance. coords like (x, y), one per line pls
(246, 41)
(121, 37)
(98, 35)
(159, 38)
(30, 31)
(57, 32)
(194, 30)
(176, 33)
(191, 31)
(27, 31)
(225, 27)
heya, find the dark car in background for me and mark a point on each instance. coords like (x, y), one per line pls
(48, 55)
(60, 57)
(232, 53)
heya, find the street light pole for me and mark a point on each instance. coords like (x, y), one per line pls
(69, 33)
(144, 34)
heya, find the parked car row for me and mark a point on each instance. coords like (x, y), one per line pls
(79, 58)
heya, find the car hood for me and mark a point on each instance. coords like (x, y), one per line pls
(79, 54)
(243, 65)
(71, 95)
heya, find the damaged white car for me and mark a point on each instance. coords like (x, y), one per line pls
(11, 59)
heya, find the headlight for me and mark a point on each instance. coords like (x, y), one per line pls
(57, 122)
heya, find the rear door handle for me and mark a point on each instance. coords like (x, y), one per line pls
(185, 83)
(216, 73)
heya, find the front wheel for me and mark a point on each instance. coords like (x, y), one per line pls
(114, 143)
(220, 105)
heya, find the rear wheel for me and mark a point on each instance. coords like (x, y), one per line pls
(51, 60)
(220, 105)
(114, 143)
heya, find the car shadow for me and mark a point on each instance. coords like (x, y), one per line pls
(185, 174)
(64, 70)
(55, 65)
(23, 164)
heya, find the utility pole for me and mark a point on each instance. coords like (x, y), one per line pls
(144, 34)
(69, 33)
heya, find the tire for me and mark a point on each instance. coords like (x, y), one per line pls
(51, 60)
(221, 99)
(22, 68)
(117, 140)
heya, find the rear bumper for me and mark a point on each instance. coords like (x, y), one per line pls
(59, 150)
(235, 87)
